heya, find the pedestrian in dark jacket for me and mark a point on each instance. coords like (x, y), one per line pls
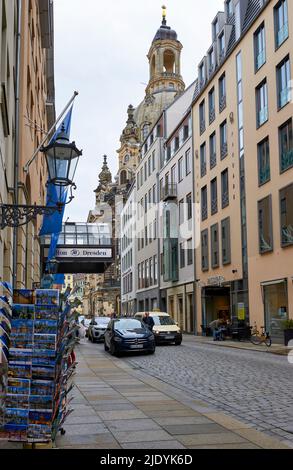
(148, 321)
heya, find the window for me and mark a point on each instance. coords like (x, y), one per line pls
(173, 174)
(154, 194)
(182, 256)
(286, 212)
(226, 241)
(168, 154)
(212, 114)
(189, 206)
(180, 169)
(142, 285)
(223, 139)
(229, 8)
(213, 151)
(261, 104)
(205, 250)
(187, 162)
(225, 188)
(202, 75)
(145, 171)
(281, 22)
(151, 271)
(150, 197)
(202, 120)
(161, 188)
(137, 180)
(221, 46)
(283, 83)
(204, 203)
(149, 166)
(145, 131)
(238, 20)
(189, 252)
(181, 211)
(203, 160)
(286, 146)
(259, 47)
(265, 225)
(146, 276)
(214, 196)
(263, 154)
(153, 160)
(155, 269)
(211, 57)
(215, 29)
(215, 246)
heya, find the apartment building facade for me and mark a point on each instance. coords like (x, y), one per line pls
(8, 17)
(243, 155)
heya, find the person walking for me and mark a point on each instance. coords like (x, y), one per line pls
(148, 321)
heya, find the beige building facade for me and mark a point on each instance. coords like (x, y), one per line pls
(242, 115)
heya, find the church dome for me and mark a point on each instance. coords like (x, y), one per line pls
(165, 32)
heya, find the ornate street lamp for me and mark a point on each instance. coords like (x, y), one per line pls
(62, 158)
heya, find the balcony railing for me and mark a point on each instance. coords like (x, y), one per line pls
(264, 175)
(202, 126)
(262, 116)
(224, 150)
(204, 212)
(260, 59)
(213, 160)
(214, 206)
(284, 97)
(203, 169)
(222, 103)
(225, 199)
(286, 160)
(282, 34)
(169, 191)
(212, 115)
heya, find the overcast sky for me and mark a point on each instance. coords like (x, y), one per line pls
(100, 51)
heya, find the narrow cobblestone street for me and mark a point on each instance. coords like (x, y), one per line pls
(119, 403)
(254, 387)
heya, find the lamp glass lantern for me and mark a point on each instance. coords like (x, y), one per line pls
(62, 158)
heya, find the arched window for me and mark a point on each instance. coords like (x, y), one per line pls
(126, 158)
(169, 61)
(145, 131)
(123, 177)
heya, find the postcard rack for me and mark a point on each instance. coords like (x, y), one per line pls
(40, 367)
(5, 331)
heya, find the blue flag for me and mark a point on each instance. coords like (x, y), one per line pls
(64, 127)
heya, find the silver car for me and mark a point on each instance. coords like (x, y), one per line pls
(97, 328)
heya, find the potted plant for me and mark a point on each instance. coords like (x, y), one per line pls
(288, 330)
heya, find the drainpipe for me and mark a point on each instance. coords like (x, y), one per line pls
(16, 146)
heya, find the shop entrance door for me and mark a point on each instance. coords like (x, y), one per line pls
(216, 304)
(275, 296)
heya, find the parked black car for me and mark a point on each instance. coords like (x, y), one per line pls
(128, 335)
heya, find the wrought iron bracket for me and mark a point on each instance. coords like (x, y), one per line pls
(12, 215)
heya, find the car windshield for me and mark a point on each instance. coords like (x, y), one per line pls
(127, 324)
(102, 320)
(160, 320)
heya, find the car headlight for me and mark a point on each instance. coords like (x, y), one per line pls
(117, 339)
(156, 332)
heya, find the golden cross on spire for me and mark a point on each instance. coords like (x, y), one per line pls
(164, 8)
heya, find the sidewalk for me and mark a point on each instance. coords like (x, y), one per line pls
(279, 349)
(118, 406)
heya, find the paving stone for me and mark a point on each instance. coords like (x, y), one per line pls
(154, 445)
(204, 439)
(84, 429)
(193, 428)
(113, 407)
(122, 414)
(132, 425)
(184, 420)
(141, 436)
(226, 446)
(72, 419)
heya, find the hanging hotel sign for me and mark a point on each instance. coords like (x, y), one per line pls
(84, 253)
(216, 280)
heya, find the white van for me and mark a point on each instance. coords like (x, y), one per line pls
(165, 329)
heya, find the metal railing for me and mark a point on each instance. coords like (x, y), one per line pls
(169, 191)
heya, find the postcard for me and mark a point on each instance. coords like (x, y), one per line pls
(23, 296)
(17, 401)
(39, 431)
(19, 371)
(42, 372)
(47, 297)
(41, 402)
(42, 387)
(48, 327)
(21, 386)
(45, 341)
(16, 416)
(40, 417)
(25, 312)
(50, 312)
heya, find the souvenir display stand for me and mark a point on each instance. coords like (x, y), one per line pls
(40, 367)
(5, 331)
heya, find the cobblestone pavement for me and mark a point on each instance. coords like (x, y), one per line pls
(254, 387)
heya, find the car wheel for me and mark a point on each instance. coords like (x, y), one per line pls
(112, 349)
(152, 352)
(177, 343)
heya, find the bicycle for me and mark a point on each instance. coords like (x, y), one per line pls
(257, 338)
